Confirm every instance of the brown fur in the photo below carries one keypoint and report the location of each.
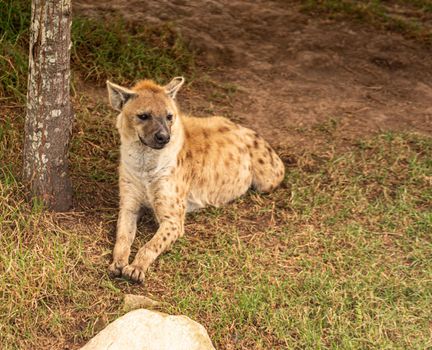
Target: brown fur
(208, 161)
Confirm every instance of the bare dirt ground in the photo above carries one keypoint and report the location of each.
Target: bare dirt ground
(294, 73)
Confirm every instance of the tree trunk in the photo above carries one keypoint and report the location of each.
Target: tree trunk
(49, 117)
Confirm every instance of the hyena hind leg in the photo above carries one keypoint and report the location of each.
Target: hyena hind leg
(268, 170)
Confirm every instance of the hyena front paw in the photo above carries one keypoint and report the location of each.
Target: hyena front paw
(134, 273)
(116, 268)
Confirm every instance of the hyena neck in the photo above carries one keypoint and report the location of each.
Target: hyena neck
(142, 160)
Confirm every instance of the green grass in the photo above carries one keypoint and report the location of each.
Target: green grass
(338, 258)
(378, 13)
(112, 49)
(124, 52)
(14, 20)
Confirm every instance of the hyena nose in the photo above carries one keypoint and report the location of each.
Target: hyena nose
(162, 137)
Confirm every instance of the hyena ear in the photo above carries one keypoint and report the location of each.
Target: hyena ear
(118, 95)
(174, 86)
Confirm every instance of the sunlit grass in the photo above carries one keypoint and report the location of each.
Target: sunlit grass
(338, 257)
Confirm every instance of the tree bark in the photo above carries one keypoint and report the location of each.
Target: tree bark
(49, 117)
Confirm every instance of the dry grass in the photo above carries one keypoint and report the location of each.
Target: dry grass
(338, 257)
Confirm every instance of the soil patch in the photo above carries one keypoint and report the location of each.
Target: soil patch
(297, 78)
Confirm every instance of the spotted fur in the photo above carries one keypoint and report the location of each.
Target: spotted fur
(206, 162)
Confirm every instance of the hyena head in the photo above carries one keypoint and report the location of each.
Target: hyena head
(148, 112)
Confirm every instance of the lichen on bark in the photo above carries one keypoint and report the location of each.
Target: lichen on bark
(49, 116)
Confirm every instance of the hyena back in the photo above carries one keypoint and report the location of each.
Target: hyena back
(173, 163)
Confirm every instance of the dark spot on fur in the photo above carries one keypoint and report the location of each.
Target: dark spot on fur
(256, 145)
(261, 161)
(202, 150)
(227, 163)
(220, 143)
(243, 150)
(164, 238)
(188, 154)
(224, 129)
(205, 134)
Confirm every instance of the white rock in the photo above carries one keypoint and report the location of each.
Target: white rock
(150, 330)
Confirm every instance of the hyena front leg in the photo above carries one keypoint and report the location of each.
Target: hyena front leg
(170, 215)
(126, 230)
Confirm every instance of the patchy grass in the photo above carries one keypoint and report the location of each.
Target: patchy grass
(423, 5)
(339, 257)
(413, 21)
(101, 50)
(46, 268)
(125, 52)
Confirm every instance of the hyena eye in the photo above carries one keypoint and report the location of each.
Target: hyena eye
(144, 116)
(169, 117)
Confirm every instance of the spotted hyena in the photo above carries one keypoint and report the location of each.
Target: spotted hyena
(174, 163)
